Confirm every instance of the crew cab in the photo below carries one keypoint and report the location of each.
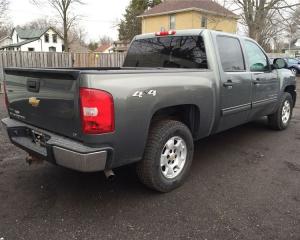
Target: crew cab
(175, 87)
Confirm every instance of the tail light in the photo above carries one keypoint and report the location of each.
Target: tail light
(5, 94)
(97, 111)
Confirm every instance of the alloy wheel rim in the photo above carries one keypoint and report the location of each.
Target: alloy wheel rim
(286, 112)
(173, 157)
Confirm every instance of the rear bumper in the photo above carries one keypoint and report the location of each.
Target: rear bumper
(56, 149)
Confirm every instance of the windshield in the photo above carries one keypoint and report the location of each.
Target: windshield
(167, 52)
(293, 61)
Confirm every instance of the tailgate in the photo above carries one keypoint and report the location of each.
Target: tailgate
(45, 98)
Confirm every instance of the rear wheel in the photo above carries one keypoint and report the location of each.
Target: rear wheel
(168, 156)
(282, 117)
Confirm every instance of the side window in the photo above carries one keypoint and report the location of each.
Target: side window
(231, 54)
(203, 22)
(257, 59)
(46, 37)
(54, 36)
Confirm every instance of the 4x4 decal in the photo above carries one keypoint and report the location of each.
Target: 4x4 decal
(140, 94)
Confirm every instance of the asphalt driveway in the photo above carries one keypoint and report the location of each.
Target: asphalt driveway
(244, 184)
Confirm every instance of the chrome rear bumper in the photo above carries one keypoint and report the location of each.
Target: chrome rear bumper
(87, 162)
(57, 149)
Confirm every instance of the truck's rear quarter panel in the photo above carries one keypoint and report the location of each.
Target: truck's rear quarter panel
(133, 114)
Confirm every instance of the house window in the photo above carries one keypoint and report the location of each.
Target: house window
(31, 49)
(46, 37)
(54, 36)
(52, 49)
(172, 24)
(203, 22)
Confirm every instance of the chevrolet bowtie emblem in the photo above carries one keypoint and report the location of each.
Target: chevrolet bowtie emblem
(33, 101)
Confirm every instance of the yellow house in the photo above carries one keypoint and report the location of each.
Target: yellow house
(188, 14)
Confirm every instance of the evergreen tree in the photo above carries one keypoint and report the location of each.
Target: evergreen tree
(131, 25)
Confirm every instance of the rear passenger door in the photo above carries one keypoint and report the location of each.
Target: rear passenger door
(235, 83)
(265, 83)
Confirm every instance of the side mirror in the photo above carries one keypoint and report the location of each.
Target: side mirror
(279, 63)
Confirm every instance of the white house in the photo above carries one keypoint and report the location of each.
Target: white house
(35, 40)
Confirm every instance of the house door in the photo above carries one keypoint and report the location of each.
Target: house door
(52, 49)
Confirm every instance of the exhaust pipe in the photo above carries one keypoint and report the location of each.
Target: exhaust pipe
(33, 160)
(110, 175)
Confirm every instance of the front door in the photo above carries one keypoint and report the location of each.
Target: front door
(235, 86)
(265, 83)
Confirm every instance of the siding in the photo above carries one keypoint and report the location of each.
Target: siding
(189, 20)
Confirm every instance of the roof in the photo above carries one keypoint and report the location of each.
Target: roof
(172, 6)
(3, 38)
(32, 33)
(292, 48)
(78, 48)
(122, 42)
(20, 43)
(103, 47)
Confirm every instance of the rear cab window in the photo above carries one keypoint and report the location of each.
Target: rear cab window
(167, 52)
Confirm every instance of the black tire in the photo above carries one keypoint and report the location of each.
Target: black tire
(275, 120)
(149, 169)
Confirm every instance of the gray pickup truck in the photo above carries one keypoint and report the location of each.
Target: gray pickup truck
(174, 88)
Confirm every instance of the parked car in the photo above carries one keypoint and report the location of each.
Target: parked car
(293, 64)
(174, 88)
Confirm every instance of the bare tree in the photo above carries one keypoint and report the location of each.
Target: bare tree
(40, 23)
(65, 10)
(105, 40)
(3, 8)
(4, 28)
(263, 18)
(292, 26)
(77, 34)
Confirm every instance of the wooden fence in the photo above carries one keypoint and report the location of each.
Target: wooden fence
(58, 60)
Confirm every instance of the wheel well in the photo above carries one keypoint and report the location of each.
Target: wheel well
(188, 114)
(291, 89)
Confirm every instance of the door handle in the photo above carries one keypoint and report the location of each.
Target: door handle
(259, 80)
(33, 85)
(255, 82)
(229, 83)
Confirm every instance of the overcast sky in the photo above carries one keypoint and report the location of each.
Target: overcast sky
(99, 15)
